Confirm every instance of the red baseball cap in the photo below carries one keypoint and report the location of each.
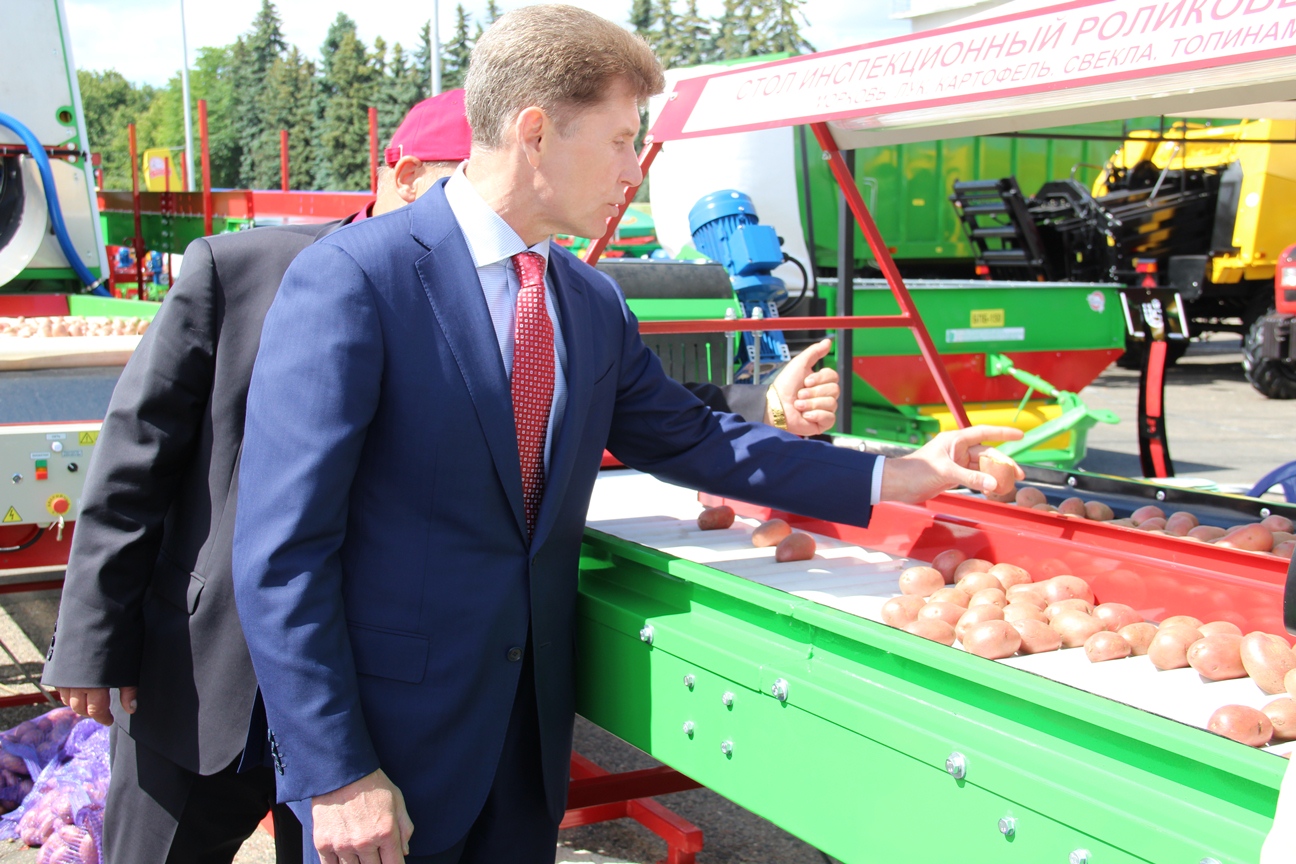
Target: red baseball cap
(434, 130)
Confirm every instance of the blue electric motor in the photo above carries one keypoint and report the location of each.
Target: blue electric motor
(726, 229)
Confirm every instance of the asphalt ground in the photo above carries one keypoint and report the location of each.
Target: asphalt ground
(1220, 430)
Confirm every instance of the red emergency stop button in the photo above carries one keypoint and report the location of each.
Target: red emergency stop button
(58, 505)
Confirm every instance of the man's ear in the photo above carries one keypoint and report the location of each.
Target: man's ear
(405, 174)
(531, 129)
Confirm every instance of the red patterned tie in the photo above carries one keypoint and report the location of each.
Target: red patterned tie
(533, 378)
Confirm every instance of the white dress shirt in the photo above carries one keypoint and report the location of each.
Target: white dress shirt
(492, 243)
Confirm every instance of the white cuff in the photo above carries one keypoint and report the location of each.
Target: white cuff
(876, 494)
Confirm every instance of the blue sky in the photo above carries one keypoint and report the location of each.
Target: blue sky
(141, 38)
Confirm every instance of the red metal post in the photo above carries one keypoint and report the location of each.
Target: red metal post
(168, 212)
(646, 157)
(888, 267)
(373, 150)
(283, 159)
(206, 167)
(137, 242)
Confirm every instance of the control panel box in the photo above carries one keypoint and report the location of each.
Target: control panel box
(42, 471)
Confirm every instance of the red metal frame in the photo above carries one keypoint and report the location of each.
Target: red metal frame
(206, 167)
(373, 150)
(1158, 575)
(137, 241)
(595, 795)
(246, 204)
(283, 160)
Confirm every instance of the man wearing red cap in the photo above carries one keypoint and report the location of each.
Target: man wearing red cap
(148, 604)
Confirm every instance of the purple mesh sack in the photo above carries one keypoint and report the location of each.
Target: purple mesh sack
(35, 742)
(69, 792)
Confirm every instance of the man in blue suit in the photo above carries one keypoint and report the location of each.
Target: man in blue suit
(430, 403)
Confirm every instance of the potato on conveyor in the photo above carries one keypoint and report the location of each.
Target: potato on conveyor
(947, 612)
(947, 562)
(933, 629)
(1180, 523)
(952, 594)
(1023, 612)
(1139, 636)
(1029, 496)
(1282, 714)
(921, 581)
(993, 639)
(975, 616)
(1009, 575)
(1242, 724)
(1098, 511)
(1027, 593)
(1218, 657)
(1073, 507)
(1106, 645)
(977, 580)
(1277, 523)
(1248, 538)
(797, 547)
(1146, 512)
(1067, 587)
(1116, 615)
(1210, 628)
(989, 597)
(716, 518)
(902, 611)
(1266, 660)
(1169, 648)
(771, 533)
(1207, 533)
(969, 566)
(1051, 611)
(1037, 637)
(1075, 627)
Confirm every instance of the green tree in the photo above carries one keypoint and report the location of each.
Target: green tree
(732, 37)
(288, 104)
(642, 17)
(423, 60)
(111, 103)
(780, 28)
(347, 89)
(398, 93)
(213, 79)
(666, 36)
(262, 46)
(695, 36)
(492, 12)
(455, 54)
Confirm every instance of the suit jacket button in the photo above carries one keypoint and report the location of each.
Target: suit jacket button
(514, 655)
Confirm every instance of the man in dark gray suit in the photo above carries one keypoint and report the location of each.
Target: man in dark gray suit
(148, 603)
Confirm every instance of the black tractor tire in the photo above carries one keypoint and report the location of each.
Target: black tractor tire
(1275, 379)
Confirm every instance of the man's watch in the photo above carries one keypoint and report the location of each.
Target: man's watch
(774, 404)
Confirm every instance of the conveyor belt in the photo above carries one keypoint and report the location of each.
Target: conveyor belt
(857, 580)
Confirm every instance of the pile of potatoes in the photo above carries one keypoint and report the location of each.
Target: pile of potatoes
(72, 325)
(788, 545)
(1273, 535)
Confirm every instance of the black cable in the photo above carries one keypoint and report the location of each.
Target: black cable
(40, 532)
(786, 307)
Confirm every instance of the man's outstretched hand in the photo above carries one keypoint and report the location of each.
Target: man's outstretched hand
(364, 822)
(94, 702)
(809, 397)
(946, 461)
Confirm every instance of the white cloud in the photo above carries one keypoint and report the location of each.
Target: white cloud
(141, 38)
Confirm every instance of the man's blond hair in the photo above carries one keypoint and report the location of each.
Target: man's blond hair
(559, 58)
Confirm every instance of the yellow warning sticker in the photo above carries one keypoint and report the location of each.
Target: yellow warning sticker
(987, 318)
(87, 437)
(11, 516)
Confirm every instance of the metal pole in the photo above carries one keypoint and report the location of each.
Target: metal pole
(206, 167)
(373, 150)
(436, 48)
(137, 242)
(188, 117)
(845, 299)
(809, 202)
(283, 159)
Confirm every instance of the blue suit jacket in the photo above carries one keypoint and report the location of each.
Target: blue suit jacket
(381, 560)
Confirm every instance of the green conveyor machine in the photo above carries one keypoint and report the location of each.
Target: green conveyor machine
(778, 684)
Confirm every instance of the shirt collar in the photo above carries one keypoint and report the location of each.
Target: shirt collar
(490, 239)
